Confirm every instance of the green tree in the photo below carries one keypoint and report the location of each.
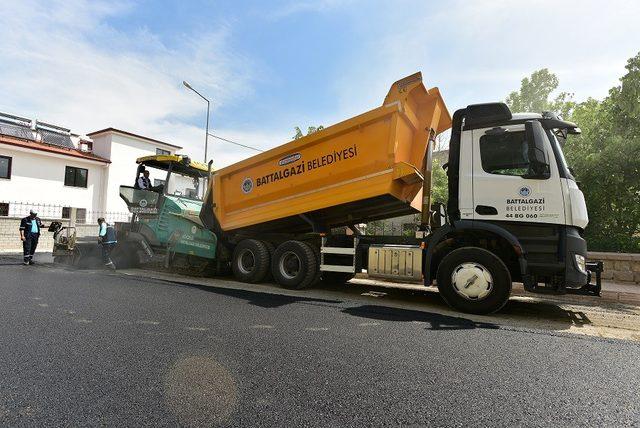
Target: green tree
(605, 157)
(534, 95)
(310, 130)
(606, 160)
(625, 101)
(439, 184)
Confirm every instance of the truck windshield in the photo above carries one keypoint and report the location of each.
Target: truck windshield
(557, 143)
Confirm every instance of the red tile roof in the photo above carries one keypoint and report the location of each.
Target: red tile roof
(18, 142)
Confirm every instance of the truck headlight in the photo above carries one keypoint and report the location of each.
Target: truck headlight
(581, 263)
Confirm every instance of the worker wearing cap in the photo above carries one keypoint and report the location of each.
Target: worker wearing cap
(107, 238)
(30, 228)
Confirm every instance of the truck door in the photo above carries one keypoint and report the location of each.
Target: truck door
(503, 189)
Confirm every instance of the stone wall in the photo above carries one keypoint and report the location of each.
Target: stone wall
(619, 267)
(10, 235)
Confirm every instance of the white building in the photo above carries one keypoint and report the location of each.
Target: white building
(47, 166)
(122, 149)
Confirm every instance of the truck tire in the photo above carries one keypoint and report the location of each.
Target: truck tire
(474, 280)
(250, 262)
(336, 278)
(294, 265)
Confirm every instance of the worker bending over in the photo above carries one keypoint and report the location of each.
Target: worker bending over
(106, 238)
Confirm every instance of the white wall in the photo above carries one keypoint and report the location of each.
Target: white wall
(38, 177)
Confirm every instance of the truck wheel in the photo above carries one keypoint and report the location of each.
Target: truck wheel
(474, 280)
(250, 261)
(294, 265)
(336, 278)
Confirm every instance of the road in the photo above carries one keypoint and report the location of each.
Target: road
(95, 348)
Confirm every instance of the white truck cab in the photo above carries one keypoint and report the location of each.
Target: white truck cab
(514, 206)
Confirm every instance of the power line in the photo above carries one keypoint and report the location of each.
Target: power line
(236, 143)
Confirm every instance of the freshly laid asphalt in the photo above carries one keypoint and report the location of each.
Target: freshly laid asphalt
(95, 348)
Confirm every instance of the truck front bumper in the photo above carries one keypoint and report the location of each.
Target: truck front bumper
(590, 288)
(579, 276)
(579, 273)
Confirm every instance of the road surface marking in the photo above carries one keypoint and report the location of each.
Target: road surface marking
(197, 328)
(262, 326)
(43, 305)
(374, 294)
(68, 312)
(316, 329)
(82, 320)
(146, 322)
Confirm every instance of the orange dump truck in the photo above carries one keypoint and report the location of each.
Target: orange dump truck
(514, 211)
(274, 212)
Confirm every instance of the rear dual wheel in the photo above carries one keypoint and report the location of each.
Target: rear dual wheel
(251, 261)
(294, 265)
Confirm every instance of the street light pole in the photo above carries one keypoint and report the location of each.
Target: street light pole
(206, 136)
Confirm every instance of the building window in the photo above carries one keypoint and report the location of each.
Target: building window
(505, 153)
(81, 214)
(4, 209)
(5, 167)
(75, 177)
(162, 152)
(191, 193)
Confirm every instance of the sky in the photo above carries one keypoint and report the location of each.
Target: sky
(268, 66)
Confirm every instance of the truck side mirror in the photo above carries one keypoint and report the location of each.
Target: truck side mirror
(438, 215)
(538, 162)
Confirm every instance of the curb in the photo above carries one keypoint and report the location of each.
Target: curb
(624, 297)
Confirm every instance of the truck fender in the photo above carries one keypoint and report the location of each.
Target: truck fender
(441, 233)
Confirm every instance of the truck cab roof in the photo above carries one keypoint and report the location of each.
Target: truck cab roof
(498, 114)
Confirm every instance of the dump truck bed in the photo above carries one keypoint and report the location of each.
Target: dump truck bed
(365, 168)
